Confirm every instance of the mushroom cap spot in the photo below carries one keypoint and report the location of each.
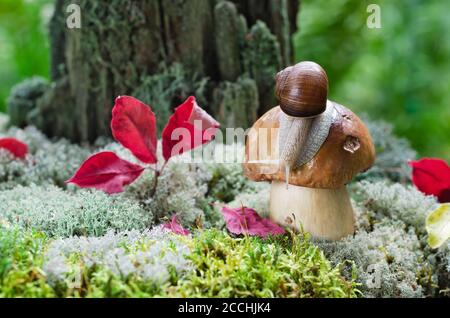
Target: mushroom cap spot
(331, 168)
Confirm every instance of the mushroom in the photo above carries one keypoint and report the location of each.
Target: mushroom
(309, 148)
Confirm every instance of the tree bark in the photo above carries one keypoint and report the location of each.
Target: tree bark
(224, 52)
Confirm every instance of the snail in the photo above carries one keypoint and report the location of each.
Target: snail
(302, 91)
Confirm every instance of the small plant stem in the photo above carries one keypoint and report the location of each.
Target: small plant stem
(155, 182)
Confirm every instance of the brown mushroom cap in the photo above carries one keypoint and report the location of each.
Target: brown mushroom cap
(347, 151)
(302, 89)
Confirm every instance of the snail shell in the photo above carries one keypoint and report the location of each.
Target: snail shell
(302, 90)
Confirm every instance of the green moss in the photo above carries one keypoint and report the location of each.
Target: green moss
(23, 99)
(228, 39)
(251, 267)
(236, 103)
(21, 260)
(262, 59)
(158, 263)
(166, 89)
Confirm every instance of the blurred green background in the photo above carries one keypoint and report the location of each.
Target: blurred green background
(399, 73)
(24, 47)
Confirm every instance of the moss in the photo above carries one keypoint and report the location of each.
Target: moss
(393, 154)
(61, 213)
(387, 260)
(390, 244)
(168, 88)
(158, 263)
(48, 162)
(251, 267)
(23, 98)
(390, 239)
(228, 40)
(236, 103)
(124, 264)
(21, 260)
(262, 59)
(387, 201)
(4, 121)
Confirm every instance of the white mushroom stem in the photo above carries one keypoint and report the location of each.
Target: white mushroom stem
(296, 132)
(324, 213)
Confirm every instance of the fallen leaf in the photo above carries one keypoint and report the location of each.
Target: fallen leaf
(175, 227)
(432, 177)
(17, 148)
(107, 172)
(247, 221)
(438, 226)
(189, 127)
(133, 125)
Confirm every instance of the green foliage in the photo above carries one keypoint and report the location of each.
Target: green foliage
(251, 267)
(62, 214)
(24, 43)
(21, 260)
(398, 73)
(230, 30)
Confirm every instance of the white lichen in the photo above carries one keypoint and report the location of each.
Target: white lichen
(61, 213)
(149, 255)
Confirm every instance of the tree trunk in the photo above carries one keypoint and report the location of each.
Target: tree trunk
(161, 51)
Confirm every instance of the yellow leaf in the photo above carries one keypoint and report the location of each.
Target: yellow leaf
(438, 225)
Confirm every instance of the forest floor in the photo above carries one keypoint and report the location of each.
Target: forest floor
(60, 241)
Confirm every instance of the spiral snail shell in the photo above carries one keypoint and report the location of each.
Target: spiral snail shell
(302, 90)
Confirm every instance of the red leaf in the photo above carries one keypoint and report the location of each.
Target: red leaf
(133, 124)
(432, 177)
(14, 146)
(107, 172)
(189, 127)
(175, 227)
(247, 221)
